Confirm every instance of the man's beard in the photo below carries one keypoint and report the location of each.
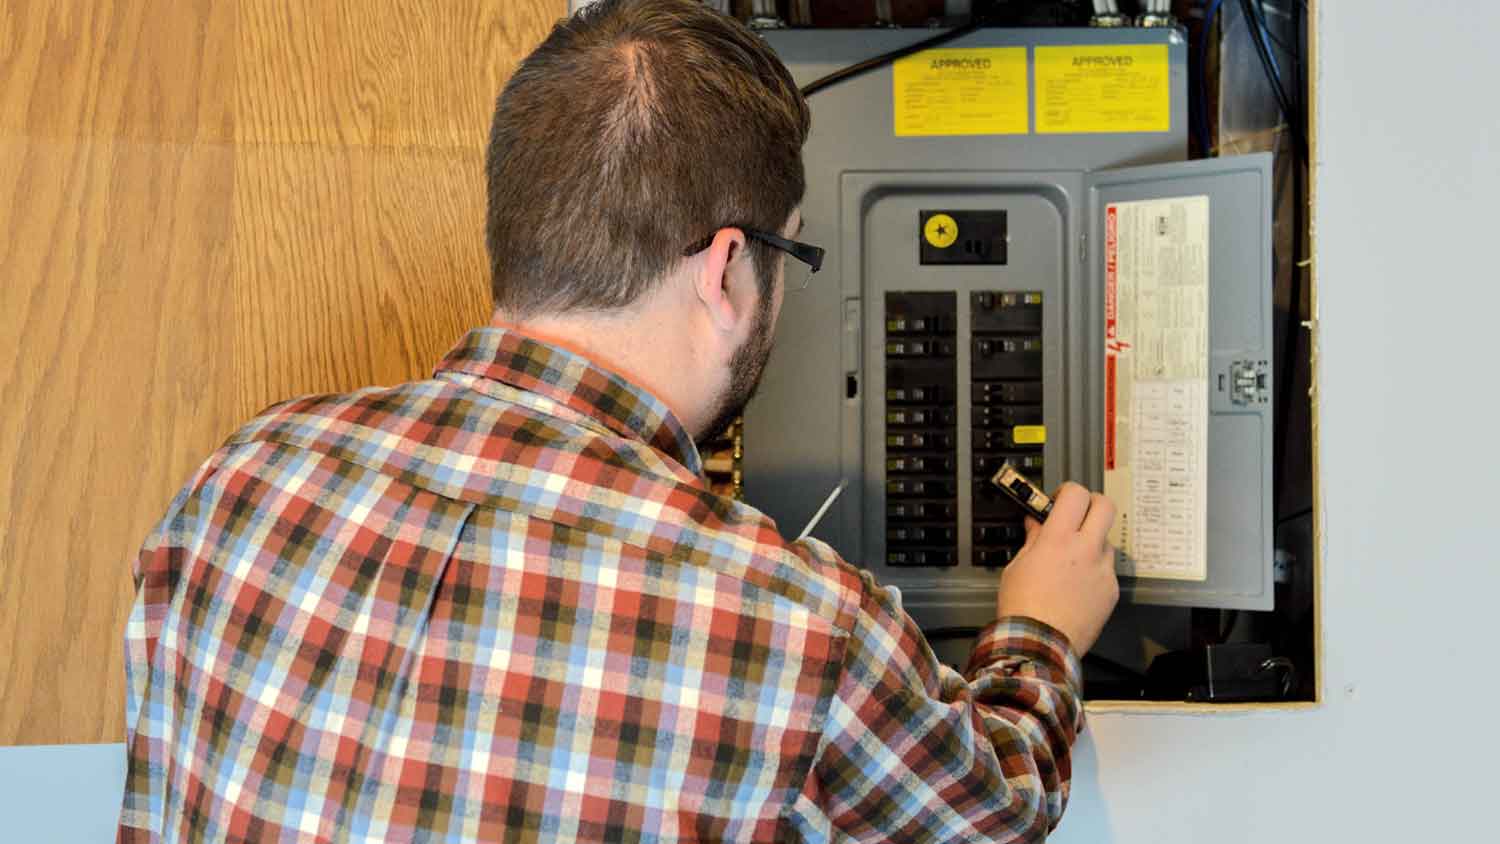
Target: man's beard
(746, 367)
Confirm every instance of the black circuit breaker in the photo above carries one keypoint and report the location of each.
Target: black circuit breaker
(921, 419)
(1006, 420)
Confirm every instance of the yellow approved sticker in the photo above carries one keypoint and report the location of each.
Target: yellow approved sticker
(1029, 434)
(980, 91)
(1103, 88)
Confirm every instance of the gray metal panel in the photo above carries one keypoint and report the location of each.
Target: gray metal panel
(1240, 535)
(880, 211)
(794, 430)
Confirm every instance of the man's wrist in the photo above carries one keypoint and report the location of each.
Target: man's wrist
(1022, 645)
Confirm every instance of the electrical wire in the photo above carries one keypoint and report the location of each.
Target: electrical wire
(1256, 22)
(1293, 14)
(1209, 12)
(861, 68)
(1285, 47)
(1292, 517)
(1292, 340)
(1293, 631)
(1231, 618)
(1288, 669)
(1259, 28)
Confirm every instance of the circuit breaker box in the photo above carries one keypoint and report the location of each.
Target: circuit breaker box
(1078, 301)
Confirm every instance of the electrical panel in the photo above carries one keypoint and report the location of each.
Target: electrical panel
(960, 322)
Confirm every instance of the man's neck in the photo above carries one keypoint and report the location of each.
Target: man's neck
(629, 346)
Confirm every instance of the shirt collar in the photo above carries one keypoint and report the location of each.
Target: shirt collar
(574, 381)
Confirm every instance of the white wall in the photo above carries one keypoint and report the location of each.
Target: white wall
(1405, 746)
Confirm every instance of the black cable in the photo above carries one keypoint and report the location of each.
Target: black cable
(1289, 675)
(1292, 13)
(853, 70)
(1260, 31)
(1292, 517)
(1231, 618)
(1257, 24)
(1285, 48)
(1205, 33)
(1292, 342)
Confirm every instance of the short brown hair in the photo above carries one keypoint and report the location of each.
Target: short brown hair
(635, 129)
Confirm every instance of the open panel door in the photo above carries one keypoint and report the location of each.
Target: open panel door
(1177, 353)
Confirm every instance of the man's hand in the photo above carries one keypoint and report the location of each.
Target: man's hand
(1065, 574)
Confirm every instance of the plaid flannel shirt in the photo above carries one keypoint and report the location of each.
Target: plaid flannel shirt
(502, 605)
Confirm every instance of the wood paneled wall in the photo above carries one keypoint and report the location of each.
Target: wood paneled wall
(207, 206)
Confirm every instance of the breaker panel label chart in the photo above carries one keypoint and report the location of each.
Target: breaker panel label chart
(1156, 385)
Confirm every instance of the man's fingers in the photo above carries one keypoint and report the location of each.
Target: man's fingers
(1101, 516)
(1069, 506)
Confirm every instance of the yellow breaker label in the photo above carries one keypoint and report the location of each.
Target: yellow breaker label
(979, 91)
(1029, 435)
(1103, 88)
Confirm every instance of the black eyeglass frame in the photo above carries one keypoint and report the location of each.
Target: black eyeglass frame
(804, 252)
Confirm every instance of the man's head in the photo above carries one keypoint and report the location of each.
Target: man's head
(637, 129)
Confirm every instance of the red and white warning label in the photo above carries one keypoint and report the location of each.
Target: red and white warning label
(1156, 384)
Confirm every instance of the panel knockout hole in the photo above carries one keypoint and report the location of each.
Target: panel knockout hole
(851, 386)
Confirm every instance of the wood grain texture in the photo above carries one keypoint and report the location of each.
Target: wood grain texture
(112, 314)
(207, 206)
(380, 303)
(129, 69)
(380, 72)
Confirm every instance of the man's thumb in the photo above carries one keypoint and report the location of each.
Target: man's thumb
(1033, 530)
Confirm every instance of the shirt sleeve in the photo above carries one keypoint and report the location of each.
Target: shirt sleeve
(155, 571)
(914, 751)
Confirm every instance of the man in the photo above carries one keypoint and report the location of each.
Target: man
(501, 604)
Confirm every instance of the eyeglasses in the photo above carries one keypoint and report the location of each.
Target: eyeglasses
(808, 254)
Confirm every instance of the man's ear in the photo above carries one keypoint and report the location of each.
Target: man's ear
(725, 260)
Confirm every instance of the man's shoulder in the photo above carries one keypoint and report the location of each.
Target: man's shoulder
(309, 419)
(448, 438)
(515, 455)
(747, 545)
